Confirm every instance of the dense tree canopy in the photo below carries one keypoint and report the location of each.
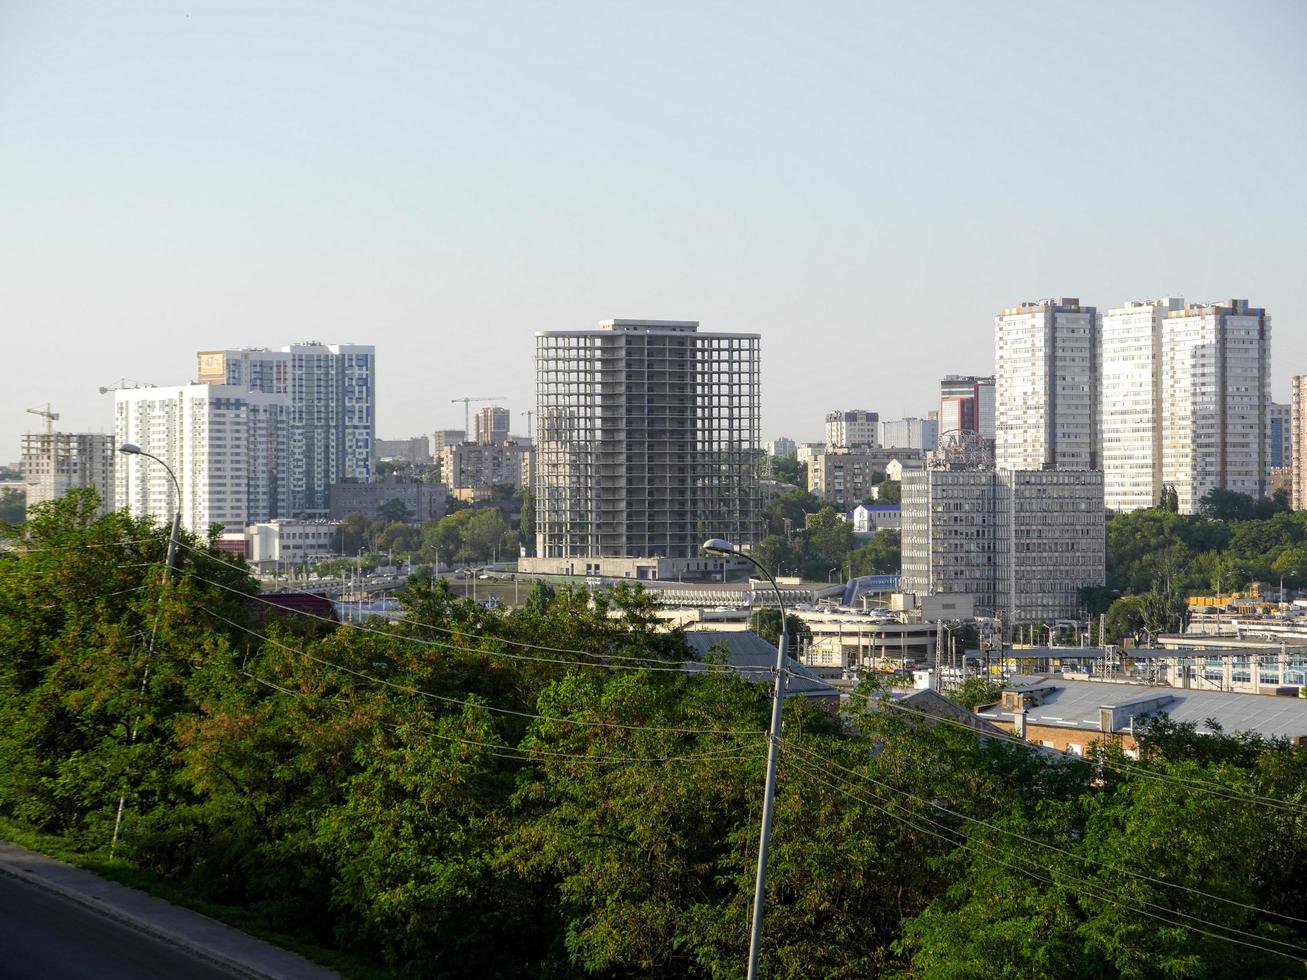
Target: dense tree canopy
(545, 792)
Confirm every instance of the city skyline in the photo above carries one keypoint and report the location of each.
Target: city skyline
(187, 180)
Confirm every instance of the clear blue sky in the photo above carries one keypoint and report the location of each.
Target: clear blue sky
(863, 183)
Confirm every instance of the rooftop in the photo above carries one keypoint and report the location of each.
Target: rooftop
(1079, 704)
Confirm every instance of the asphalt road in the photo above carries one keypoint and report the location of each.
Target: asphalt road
(44, 936)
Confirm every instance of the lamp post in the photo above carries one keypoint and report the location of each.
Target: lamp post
(718, 546)
(131, 449)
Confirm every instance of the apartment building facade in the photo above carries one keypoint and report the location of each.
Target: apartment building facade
(1131, 404)
(229, 447)
(331, 392)
(1215, 400)
(845, 477)
(1046, 386)
(1298, 442)
(854, 428)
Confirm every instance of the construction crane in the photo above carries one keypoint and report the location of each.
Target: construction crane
(467, 412)
(124, 384)
(46, 414)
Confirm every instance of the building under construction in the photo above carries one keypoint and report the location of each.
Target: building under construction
(55, 462)
(647, 444)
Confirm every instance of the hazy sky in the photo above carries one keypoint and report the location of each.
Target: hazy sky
(864, 184)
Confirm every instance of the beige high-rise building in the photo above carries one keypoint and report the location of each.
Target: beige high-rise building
(1298, 438)
(1046, 386)
(491, 424)
(1215, 399)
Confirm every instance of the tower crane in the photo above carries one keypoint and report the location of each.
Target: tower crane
(46, 414)
(467, 412)
(124, 384)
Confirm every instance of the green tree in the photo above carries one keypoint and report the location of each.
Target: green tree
(881, 555)
(526, 527)
(12, 505)
(766, 622)
(395, 511)
(889, 492)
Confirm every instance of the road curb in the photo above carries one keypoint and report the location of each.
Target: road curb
(14, 856)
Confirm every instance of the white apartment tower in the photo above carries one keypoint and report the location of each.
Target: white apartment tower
(55, 462)
(1298, 441)
(229, 447)
(1215, 399)
(1130, 413)
(648, 440)
(852, 429)
(332, 396)
(1046, 398)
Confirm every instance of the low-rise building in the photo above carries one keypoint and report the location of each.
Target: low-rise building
(1072, 715)
(414, 450)
(870, 518)
(291, 542)
(425, 501)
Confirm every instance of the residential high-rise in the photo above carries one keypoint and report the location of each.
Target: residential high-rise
(1279, 442)
(781, 448)
(1046, 379)
(332, 396)
(1022, 542)
(648, 442)
(1131, 403)
(1215, 394)
(966, 404)
(230, 448)
(491, 425)
(1298, 440)
(55, 462)
(852, 429)
(909, 433)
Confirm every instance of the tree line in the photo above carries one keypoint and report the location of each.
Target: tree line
(544, 792)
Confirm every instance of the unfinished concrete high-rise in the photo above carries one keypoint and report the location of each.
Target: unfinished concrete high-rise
(649, 440)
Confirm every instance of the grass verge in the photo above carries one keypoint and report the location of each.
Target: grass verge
(346, 964)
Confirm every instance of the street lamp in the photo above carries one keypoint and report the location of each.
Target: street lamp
(131, 449)
(718, 546)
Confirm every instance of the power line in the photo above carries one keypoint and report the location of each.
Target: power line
(454, 632)
(1200, 785)
(1051, 878)
(531, 754)
(640, 663)
(474, 704)
(1039, 843)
